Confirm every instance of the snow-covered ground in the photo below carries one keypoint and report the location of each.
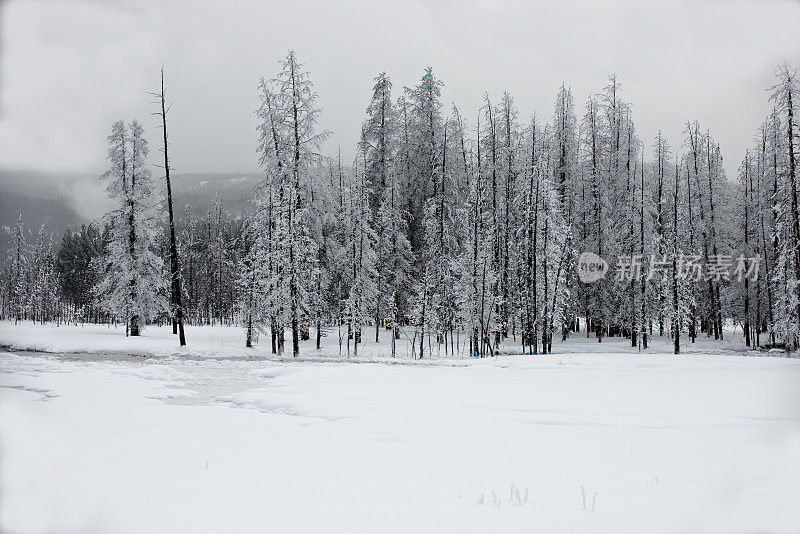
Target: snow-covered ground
(229, 342)
(577, 441)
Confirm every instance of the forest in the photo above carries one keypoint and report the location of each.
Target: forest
(464, 232)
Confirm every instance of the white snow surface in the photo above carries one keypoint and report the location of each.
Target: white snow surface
(229, 342)
(218, 438)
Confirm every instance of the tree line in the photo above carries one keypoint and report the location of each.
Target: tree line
(465, 232)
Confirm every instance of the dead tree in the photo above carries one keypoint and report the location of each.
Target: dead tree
(676, 321)
(175, 285)
(641, 251)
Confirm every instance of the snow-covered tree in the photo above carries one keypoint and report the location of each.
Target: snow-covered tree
(379, 144)
(132, 287)
(284, 250)
(17, 281)
(785, 95)
(395, 256)
(42, 296)
(361, 242)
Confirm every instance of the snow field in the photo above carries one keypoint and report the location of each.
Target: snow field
(650, 443)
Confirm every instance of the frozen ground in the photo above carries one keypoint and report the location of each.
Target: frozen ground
(228, 342)
(593, 442)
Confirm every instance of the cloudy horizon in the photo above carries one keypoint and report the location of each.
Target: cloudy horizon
(69, 69)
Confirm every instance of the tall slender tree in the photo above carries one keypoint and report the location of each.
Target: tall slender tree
(176, 293)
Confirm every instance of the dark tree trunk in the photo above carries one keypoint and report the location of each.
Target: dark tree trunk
(692, 308)
(793, 186)
(641, 274)
(716, 297)
(747, 192)
(173, 246)
(676, 320)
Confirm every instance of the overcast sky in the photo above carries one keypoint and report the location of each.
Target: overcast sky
(68, 69)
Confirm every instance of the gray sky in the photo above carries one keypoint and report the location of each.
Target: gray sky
(68, 69)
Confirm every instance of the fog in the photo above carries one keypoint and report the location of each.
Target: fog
(70, 68)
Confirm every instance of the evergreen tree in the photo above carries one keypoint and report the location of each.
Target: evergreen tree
(132, 286)
(379, 146)
(288, 149)
(785, 96)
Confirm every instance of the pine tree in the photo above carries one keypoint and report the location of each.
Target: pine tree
(476, 256)
(395, 254)
(288, 150)
(785, 96)
(661, 164)
(361, 249)
(75, 271)
(593, 139)
(565, 168)
(132, 286)
(41, 298)
(423, 127)
(17, 281)
(441, 248)
(379, 144)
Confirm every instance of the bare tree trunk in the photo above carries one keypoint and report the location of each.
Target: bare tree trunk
(793, 185)
(748, 186)
(274, 336)
(598, 212)
(631, 232)
(716, 297)
(249, 342)
(534, 262)
(545, 318)
(293, 290)
(641, 274)
(676, 321)
(692, 307)
(134, 319)
(422, 318)
(394, 328)
(175, 285)
(660, 223)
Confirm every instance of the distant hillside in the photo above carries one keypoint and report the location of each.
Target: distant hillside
(61, 201)
(56, 214)
(41, 199)
(199, 190)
